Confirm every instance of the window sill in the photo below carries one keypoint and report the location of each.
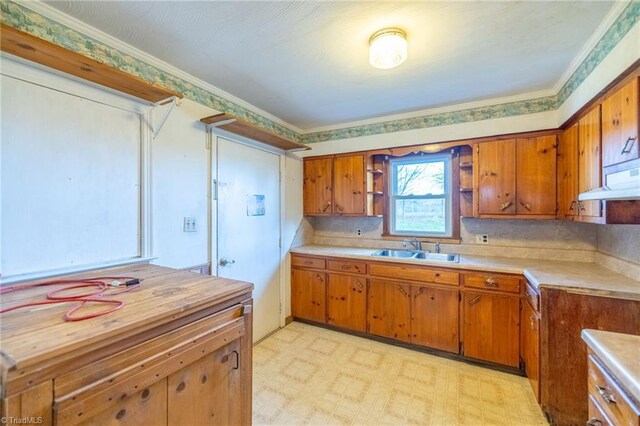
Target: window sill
(423, 239)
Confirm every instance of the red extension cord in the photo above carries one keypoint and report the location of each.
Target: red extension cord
(101, 287)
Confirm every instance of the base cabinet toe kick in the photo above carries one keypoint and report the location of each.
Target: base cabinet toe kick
(499, 320)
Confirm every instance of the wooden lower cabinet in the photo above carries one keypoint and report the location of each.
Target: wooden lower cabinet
(435, 317)
(184, 363)
(308, 293)
(490, 327)
(347, 302)
(389, 309)
(530, 345)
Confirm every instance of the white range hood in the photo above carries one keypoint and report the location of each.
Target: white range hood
(623, 185)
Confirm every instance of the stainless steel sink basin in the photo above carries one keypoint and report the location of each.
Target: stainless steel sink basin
(394, 253)
(442, 257)
(417, 254)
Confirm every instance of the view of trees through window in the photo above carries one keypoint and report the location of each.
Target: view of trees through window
(419, 196)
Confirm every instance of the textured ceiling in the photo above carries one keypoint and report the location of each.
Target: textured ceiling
(307, 62)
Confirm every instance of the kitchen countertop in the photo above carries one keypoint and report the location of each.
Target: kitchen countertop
(619, 353)
(579, 277)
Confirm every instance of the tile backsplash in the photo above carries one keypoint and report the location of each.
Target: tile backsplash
(511, 238)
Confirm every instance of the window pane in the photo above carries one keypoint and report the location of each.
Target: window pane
(420, 215)
(419, 179)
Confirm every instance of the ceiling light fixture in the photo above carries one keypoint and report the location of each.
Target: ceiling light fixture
(388, 48)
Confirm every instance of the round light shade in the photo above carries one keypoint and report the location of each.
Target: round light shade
(388, 48)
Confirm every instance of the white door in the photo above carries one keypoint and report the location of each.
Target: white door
(249, 226)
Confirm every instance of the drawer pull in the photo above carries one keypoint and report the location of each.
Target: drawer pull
(419, 292)
(490, 282)
(606, 396)
(359, 284)
(346, 267)
(474, 300)
(506, 205)
(404, 293)
(594, 422)
(308, 262)
(624, 148)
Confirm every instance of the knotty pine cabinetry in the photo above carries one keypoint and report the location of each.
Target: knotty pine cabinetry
(579, 169)
(414, 304)
(517, 177)
(490, 312)
(530, 338)
(334, 185)
(178, 352)
(620, 125)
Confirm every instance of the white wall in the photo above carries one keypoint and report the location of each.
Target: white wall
(180, 173)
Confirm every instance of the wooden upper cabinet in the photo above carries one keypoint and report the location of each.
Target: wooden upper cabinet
(497, 177)
(620, 125)
(335, 185)
(567, 175)
(349, 185)
(536, 175)
(317, 186)
(589, 158)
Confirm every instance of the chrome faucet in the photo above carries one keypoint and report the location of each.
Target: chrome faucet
(437, 247)
(415, 243)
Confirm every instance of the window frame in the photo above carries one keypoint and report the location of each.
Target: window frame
(448, 196)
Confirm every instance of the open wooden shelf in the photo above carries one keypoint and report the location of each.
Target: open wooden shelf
(243, 128)
(37, 50)
(375, 171)
(466, 165)
(464, 190)
(375, 192)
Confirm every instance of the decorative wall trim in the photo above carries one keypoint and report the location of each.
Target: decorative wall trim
(25, 19)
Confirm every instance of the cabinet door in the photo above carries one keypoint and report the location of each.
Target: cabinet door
(497, 177)
(389, 309)
(349, 183)
(208, 391)
(536, 175)
(589, 158)
(491, 327)
(317, 186)
(568, 173)
(308, 295)
(530, 345)
(620, 125)
(434, 317)
(347, 302)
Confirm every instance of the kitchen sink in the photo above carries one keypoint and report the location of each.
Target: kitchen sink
(442, 257)
(394, 253)
(417, 254)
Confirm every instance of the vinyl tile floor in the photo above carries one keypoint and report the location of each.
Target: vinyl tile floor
(309, 375)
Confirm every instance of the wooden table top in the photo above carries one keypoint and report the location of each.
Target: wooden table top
(38, 334)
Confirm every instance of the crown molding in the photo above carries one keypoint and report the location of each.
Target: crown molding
(611, 17)
(54, 14)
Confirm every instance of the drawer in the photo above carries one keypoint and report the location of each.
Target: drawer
(87, 390)
(597, 416)
(308, 262)
(414, 273)
(507, 283)
(532, 296)
(347, 266)
(608, 395)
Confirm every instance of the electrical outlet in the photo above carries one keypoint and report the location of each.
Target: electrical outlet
(359, 232)
(482, 238)
(189, 224)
